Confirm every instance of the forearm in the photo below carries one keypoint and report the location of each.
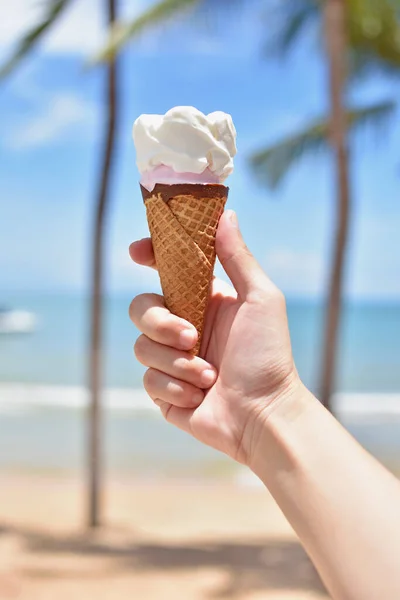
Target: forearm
(342, 503)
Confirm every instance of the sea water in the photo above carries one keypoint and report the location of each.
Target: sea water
(43, 394)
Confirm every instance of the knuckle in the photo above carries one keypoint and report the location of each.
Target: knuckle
(161, 328)
(133, 308)
(185, 367)
(149, 379)
(178, 390)
(141, 305)
(183, 394)
(140, 348)
(195, 373)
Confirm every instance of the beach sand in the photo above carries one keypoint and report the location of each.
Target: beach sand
(160, 542)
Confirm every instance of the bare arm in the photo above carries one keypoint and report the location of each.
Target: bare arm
(344, 506)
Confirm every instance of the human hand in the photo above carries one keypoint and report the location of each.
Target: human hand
(247, 365)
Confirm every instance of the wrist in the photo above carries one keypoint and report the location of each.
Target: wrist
(276, 423)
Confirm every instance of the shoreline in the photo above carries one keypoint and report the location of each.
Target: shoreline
(16, 395)
(43, 432)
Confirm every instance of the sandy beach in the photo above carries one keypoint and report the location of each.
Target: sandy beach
(177, 541)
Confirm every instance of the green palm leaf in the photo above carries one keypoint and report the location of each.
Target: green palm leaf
(374, 34)
(155, 15)
(373, 31)
(32, 37)
(272, 164)
(159, 14)
(293, 17)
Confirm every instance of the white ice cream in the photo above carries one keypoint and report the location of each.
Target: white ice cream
(187, 142)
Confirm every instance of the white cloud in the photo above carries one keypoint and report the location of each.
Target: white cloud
(63, 113)
(296, 273)
(81, 29)
(16, 17)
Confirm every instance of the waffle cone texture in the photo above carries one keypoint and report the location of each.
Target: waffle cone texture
(183, 220)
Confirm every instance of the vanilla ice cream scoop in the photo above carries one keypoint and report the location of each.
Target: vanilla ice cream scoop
(184, 146)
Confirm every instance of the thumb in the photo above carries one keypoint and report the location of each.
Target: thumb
(238, 262)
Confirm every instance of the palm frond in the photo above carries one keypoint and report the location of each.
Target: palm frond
(155, 15)
(209, 15)
(293, 18)
(32, 37)
(272, 164)
(373, 32)
(374, 35)
(373, 117)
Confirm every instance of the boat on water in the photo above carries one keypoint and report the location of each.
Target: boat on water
(16, 321)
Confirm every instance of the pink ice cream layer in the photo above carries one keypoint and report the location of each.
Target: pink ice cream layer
(167, 175)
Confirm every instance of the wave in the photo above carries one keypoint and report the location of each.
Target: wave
(18, 398)
(367, 405)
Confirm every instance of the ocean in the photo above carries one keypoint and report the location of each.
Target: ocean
(43, 396)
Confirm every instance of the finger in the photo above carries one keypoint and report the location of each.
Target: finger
(150, 315)
(171, 390)
(181, 365)
(141, 252)
(239, 264)
(179, 417)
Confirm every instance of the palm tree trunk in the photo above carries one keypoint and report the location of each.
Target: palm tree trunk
(96, 337)
(336, 45)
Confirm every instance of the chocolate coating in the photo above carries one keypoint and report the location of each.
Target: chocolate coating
(199, 190)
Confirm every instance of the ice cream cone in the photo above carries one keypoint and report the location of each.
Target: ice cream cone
(183, 220)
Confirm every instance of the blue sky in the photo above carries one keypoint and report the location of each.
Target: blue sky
(51, 128)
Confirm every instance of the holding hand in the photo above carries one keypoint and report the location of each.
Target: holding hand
(247, 367)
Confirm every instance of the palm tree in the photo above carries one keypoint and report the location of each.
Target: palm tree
(369, 30)
(336, 49)
(332, 131)
(96, 339)
(119, 34)
(359, 36)
(54, 10)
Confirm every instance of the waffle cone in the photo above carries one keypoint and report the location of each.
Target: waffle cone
(183, 220)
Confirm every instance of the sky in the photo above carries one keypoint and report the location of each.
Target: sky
(51, 128)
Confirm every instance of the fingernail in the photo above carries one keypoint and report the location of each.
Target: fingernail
(233, 218)
(197, 398)
(187, 338)
(158, 402)
(208, 377)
